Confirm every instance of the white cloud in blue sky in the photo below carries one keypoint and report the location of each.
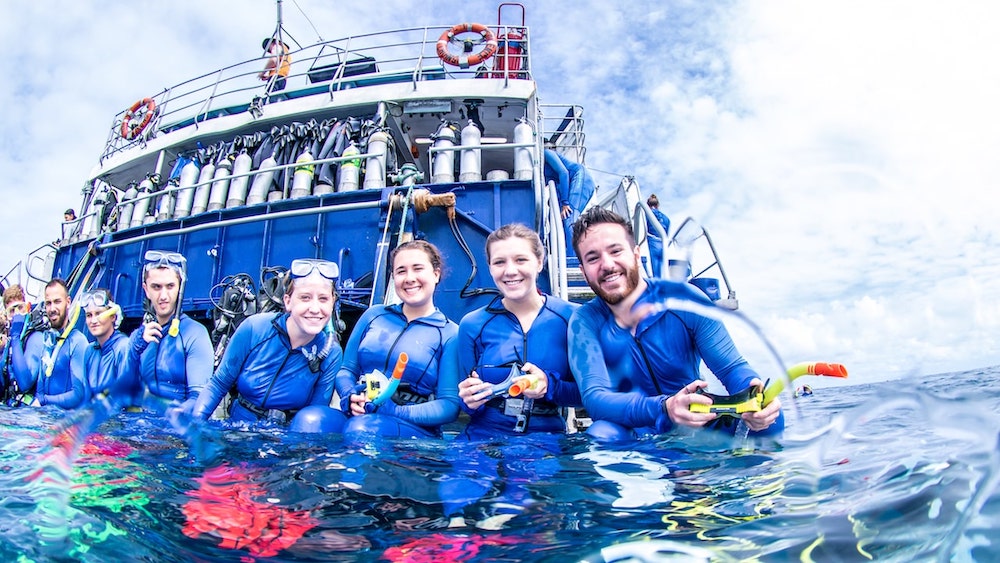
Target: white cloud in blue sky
(843, 155)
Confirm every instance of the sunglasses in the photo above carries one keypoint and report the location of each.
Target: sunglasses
(163, 259)
(304, 266)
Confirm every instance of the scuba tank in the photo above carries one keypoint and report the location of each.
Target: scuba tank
(350, 170)
(125, 210)
(166, 207)
(443, 167)
(378, 144)
(204, 188)
(238, 186)
(262, 181)
(471, 163)
(141, 206)
(185, 193)
(303, 177)
(523, 167)
(220, 187)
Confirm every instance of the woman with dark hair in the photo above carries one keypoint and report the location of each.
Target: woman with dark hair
(424, 398)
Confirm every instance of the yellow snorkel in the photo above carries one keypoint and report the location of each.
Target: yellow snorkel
(752, 399)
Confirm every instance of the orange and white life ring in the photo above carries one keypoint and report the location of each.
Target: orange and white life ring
(465, 60)
(132, 127)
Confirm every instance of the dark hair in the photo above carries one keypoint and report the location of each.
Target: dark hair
(517, 230)
(597, 216)
(432, 252)
(58, 281)
(653, 201)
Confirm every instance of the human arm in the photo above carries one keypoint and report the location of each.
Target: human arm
(444, 408)
(226, 375)
(323, 389)
(352, 400)
(78, 390)
(199, 358)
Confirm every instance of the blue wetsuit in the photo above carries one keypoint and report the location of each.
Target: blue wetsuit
(268, 374)
(656, 243)
(175, 368)
(104, 364)
(490, 340)
(65, 384)
(625, 380)
(427, 397)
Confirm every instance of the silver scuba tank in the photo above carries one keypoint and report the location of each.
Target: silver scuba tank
(204, 189)
(470, 166)
(523, 163)
(185, 193)
(238, 186)
(349, 170)
(303, 177)
(141, 207)
(166, 207)
(262, 182)
(125, 207)
(443, 167)
(378, 144)
(220, 187)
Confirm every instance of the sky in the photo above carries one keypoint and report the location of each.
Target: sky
(842, 154)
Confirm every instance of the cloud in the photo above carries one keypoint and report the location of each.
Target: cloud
(841, 154)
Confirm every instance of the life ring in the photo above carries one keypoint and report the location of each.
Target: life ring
(464, 60)
(130, 129)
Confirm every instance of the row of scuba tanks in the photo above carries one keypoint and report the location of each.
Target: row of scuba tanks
(219, 176)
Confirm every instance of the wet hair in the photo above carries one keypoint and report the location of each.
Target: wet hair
(598, 216)
(653, 201)
(517, 230)
(12, 294)
(432, 252)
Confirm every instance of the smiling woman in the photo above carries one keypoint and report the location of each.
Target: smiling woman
(282, 365)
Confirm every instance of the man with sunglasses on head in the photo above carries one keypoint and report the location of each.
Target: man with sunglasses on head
(51, 361)
(170, 355)
(106, 355)
(283, 365)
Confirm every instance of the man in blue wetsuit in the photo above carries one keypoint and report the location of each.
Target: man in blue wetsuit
(639, 373)
(170, 355)
(655, 242)
(106, 355)
(283, 365)
(52, 361)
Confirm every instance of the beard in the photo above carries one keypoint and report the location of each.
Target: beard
(631, 276)
(59, 321)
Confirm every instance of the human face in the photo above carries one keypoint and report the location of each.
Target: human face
(514, 268)
(100, 327)
(309, 306)
(609, 262)
(415, 278)
(56, 306)
(162, 286)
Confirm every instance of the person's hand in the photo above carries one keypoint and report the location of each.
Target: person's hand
(765, 417)
(152, 332)
(538, 390)
(566, 211)
(678, 408)
(474, 392)
(358, 402)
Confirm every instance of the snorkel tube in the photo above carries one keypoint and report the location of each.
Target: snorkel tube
(752, 400)
(800, 369)
(390, 389)
(175, 324)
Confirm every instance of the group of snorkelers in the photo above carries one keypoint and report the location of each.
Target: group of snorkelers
(514, 366)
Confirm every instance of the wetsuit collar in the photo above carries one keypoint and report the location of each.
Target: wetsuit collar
(436, 319)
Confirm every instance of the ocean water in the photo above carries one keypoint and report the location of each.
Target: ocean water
(893, 471)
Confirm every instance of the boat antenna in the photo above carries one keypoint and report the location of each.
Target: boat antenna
(301, 11)
(280, 33)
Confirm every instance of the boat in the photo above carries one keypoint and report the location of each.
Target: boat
(433, 132)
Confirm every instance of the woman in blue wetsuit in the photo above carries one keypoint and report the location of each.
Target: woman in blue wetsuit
(426, 398)
(521, 328)
(283, 365)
